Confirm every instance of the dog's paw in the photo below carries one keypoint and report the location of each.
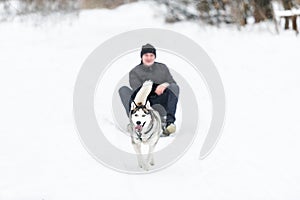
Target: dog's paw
(141, 165)
(152, 162)
(146, 168)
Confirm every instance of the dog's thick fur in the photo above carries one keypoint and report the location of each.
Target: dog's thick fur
(145, 125)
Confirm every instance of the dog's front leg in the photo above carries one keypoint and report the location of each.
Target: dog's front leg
(150, 158)
(137, 148)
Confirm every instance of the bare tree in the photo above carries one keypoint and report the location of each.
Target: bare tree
(262, 10)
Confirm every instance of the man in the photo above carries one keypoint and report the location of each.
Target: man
(165, 92)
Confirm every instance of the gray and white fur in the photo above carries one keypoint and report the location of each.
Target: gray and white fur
(145, 126)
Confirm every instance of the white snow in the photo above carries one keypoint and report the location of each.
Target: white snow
(41, 156)
(284, 13)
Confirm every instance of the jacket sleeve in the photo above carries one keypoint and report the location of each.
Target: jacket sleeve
(169, 77)
(134, 80)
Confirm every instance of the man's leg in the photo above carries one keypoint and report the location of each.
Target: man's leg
(125, 95)
(172, 93)
(169, 101)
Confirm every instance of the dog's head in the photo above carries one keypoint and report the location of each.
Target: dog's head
(140, 115)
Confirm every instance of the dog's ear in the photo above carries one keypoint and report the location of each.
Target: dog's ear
(148, 106)
(132, 107)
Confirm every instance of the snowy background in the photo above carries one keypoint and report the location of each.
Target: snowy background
(41, 156)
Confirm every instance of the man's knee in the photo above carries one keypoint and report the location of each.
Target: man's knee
(124, 91)
(173, 87)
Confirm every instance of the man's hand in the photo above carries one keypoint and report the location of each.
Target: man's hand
(160, 89)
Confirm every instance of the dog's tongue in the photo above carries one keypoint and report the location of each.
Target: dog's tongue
(138, 127)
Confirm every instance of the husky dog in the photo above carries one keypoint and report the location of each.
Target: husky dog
(145, 125)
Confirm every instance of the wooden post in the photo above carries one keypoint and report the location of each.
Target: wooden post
(294, 23)
(286, 23)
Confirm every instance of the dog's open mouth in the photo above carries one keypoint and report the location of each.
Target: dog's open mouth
(138, 128)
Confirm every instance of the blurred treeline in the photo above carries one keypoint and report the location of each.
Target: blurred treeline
(214, 12)
(240, 12)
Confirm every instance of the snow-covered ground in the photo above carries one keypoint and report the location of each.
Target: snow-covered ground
(41, 156)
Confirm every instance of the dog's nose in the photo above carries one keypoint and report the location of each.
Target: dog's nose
(138, 122)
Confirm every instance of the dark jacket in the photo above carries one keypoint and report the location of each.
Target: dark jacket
(158, 73)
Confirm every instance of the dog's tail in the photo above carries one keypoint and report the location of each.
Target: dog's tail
(141, 96)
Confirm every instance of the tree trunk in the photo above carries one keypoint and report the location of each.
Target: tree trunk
(262, 10)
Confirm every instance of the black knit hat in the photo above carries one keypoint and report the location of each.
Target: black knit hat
(148, 48)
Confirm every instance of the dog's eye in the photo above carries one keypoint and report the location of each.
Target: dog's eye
(143, 115)
(136, 115)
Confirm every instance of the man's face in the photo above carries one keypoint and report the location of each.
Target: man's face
(148, 58)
